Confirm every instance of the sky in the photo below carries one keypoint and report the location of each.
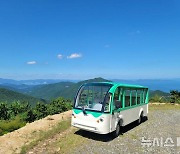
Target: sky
(67, 39)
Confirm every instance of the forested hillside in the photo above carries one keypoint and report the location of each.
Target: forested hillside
(69, 89)
(50, 91)
(62, 89)
(10, 96)
(159, 93)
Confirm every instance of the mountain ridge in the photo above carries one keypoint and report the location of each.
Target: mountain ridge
(67, 89)
(10, 96)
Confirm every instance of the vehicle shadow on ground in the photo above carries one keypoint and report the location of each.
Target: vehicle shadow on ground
(106, 137)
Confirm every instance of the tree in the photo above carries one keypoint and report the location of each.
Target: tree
(30, 116)
(4, 111)
(175, 96)
(18, 107)
(40, 110)
(59, 105)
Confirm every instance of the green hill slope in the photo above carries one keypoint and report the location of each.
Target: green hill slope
(72, 90)
(159, 93)
(50, 91)
(10, 96)
(64, 89)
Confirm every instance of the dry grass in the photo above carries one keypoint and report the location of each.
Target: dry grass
(69, 142)
(166, 106)
(44, 135)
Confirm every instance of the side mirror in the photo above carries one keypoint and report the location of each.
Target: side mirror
(117, 104)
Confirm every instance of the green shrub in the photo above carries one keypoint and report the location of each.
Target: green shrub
(59, 105)
(175, 96)
(11, 125)
(15, 115)
(4, 111)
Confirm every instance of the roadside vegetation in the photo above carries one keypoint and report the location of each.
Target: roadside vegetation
(59, 128)
(173, 97)
(166, 106)
(15, 115)
(60, 139)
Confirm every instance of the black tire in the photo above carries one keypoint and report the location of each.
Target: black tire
(140, 119)
(145, 118)
(117, 131)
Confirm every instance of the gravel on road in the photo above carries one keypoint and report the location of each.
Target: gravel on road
(156, 135)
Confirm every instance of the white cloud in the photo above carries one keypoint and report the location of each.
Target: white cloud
(74, 55)
(59, 56)
(31, 62)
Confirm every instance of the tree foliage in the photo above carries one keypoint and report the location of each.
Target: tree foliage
(160, 99)
(18, 113)
(4, 109)
(175, 96)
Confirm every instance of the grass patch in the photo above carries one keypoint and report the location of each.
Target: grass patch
(11, 125)
(43, 135)
(69, 142)
(164, 107)
(133, 136)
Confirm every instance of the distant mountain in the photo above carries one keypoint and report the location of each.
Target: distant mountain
(10, 96)
(22, 88)
(155, 84)
(69, 89)
(64, 89)
(72, 90)
(27, 85)
(49, 91)
(159, 93)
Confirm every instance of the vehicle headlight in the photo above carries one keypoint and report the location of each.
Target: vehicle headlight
(101, 119)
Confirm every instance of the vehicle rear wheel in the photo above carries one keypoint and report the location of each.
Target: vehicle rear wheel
(140, 119)
(117, 131)
(146, 118)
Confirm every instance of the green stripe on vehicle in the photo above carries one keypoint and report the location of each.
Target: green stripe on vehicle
(94, 114)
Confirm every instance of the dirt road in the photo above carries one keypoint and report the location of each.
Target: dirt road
(156, 135)
(160, 134)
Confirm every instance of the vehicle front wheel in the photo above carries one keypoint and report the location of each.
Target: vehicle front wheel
(117, 131)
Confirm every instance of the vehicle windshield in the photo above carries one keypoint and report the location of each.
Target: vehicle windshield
(94, 97)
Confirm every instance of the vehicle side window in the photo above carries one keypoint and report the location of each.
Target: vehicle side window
(138, 96)
(117, 98)
(133, 97)
(127, 98)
